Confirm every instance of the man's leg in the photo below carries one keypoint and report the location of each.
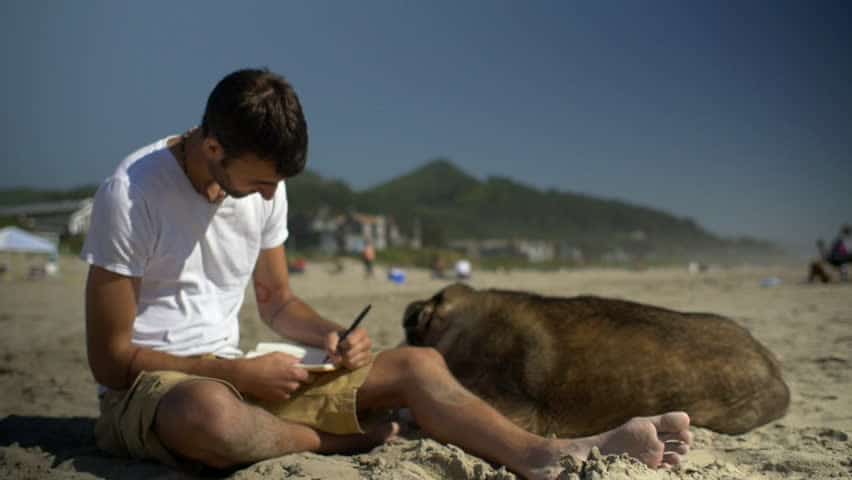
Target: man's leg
(418, 378)
(204, 421)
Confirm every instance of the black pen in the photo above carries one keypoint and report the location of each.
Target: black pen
(351, 327)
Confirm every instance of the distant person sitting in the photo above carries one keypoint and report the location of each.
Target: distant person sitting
(51, 268)
(297, 266)
(37, 272)
(438, 267)
(840, 253)
(463, 269)
(833, 261)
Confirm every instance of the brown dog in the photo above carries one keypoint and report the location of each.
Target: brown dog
(583, 365)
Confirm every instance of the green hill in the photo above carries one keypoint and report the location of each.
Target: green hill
(449, 204)
(441, 195)
(438, 183)
(308, 192)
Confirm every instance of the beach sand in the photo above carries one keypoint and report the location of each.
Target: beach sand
(48, 399)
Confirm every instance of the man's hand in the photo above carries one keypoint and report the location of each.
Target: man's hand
(289, 316)
(353, 352)
(273, 376)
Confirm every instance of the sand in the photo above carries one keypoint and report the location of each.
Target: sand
(48, 403)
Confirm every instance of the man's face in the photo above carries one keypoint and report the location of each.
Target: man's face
(246, 174)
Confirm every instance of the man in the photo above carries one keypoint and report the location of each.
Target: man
(840, 254)
(177, 233)
(368, 255)
(834, 259)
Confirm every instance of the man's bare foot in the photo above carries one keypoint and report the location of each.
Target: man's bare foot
(382, 433)
(655, 441)
(372, 437)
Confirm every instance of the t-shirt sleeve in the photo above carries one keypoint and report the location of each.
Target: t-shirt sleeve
(120, 237)
(275, 228)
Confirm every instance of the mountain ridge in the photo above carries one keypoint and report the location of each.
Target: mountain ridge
(447, 203)
(452, 205)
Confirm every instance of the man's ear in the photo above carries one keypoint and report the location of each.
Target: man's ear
(213, 149)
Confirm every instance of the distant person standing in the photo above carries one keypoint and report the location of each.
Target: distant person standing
(369, 256)
(437, 267)
(337, 261)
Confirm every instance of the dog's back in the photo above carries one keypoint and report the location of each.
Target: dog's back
(582, 365)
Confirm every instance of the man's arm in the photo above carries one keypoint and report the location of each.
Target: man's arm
(289, 316)
(111, 301)
(110, 312)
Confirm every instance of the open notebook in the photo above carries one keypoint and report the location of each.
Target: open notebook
(312, 358)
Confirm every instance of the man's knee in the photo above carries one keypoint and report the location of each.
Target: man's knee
(419, 363)
(195, 414)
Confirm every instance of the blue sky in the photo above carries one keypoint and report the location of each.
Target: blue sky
(736, 114)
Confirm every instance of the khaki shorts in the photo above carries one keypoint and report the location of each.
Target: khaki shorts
(126, 425)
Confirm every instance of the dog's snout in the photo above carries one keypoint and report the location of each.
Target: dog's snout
(412, 314)
(411, 322)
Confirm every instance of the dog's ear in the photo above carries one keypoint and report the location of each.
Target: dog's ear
(457, 290)
(450, 298)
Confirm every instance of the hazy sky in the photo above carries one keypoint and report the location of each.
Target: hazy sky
(736, 114)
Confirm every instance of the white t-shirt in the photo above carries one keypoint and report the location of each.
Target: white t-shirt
(195, 258)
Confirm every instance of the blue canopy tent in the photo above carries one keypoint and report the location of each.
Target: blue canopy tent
(13, 239)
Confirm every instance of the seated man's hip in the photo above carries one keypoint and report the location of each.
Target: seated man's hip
(126, 425)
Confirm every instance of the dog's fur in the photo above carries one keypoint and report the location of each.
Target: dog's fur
(583, 365)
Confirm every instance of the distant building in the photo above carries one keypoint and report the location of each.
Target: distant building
(326, 229)
(537, 250)
(616, 255)
(350, 232)
(570, 252)
(59, 218)
(531, 250)
(638, 236)
(497, 247)
(416, 240)
(360, 228)
(467, 247)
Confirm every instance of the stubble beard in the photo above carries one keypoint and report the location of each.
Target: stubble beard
(221, 176)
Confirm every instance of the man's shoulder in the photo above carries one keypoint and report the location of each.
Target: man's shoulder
(145, 168)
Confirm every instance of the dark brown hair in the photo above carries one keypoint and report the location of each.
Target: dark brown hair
(256, 111)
